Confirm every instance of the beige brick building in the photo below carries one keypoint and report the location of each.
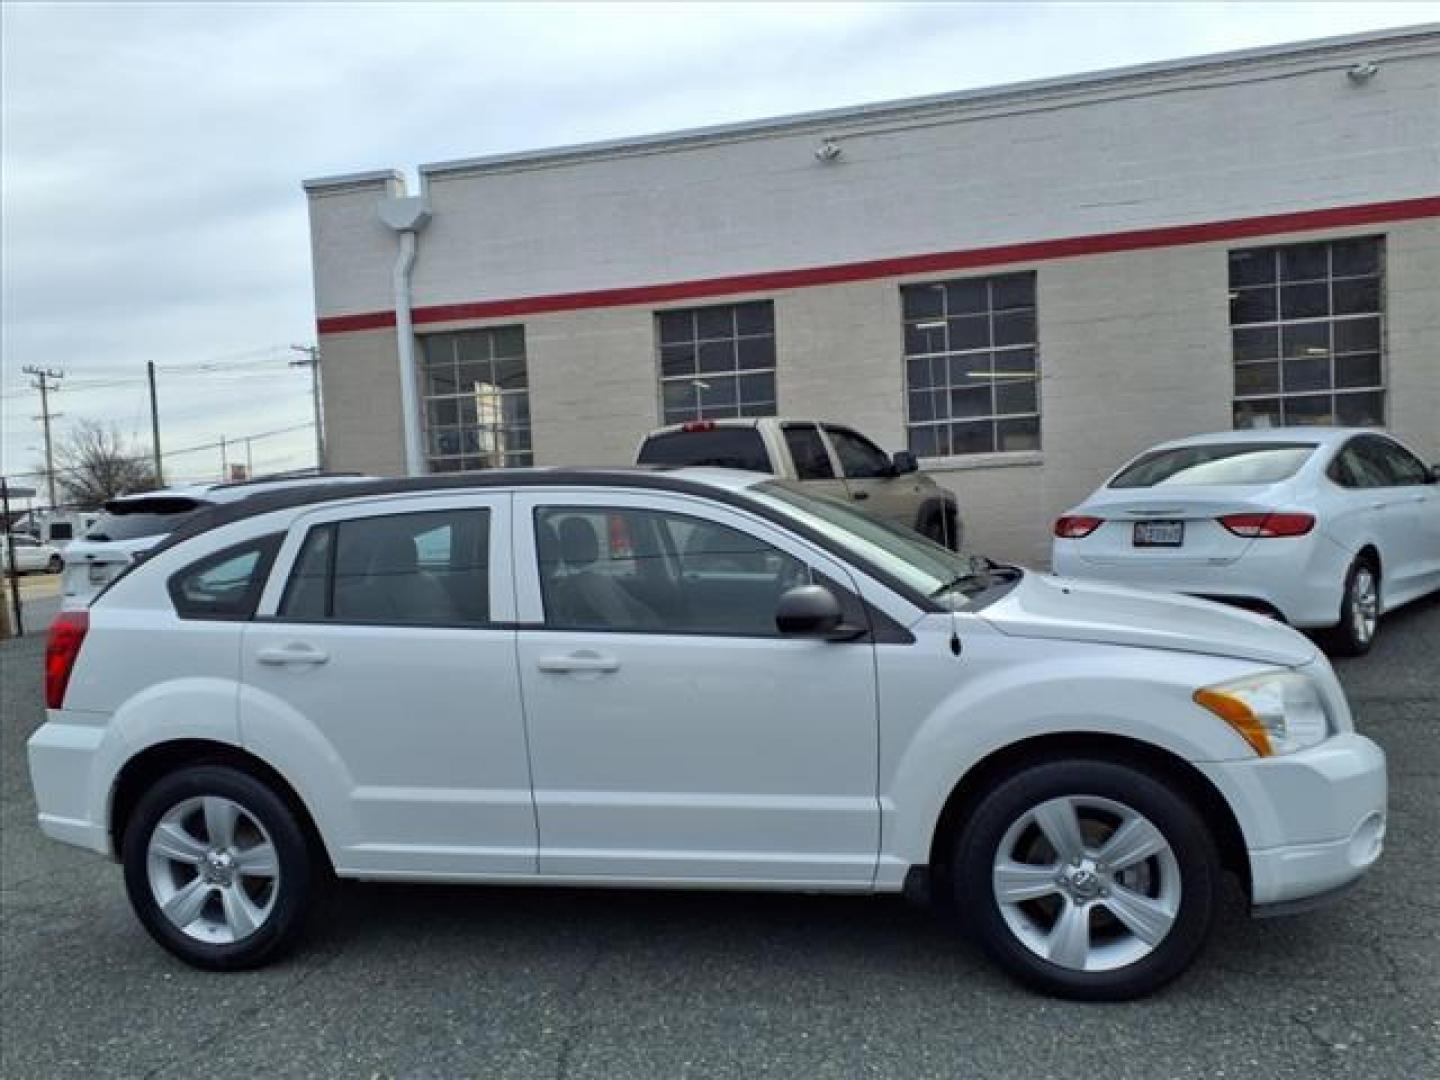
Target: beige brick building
(1025, 285)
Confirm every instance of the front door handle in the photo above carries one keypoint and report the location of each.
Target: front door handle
(578, 661)
(292, 654)
(860, 496)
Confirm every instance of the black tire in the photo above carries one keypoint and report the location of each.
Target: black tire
(294, 887)
(941, 527)
(1347, 637)
(1181, 826)
(55, 565)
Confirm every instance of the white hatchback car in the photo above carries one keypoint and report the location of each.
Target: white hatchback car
(1322, 527)
(698, 678)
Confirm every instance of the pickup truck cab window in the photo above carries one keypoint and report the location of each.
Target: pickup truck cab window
(807, 450)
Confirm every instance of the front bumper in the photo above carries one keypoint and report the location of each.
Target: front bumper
(1313, 821)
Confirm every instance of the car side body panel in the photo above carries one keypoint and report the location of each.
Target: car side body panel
(941, 720)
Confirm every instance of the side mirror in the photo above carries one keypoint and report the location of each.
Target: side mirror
(904, 462)
(1435, 474)
(808, 611)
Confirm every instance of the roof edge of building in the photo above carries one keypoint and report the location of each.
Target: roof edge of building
(1076, 85)
(327, 185)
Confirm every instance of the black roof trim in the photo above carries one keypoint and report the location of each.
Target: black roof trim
(651, 479)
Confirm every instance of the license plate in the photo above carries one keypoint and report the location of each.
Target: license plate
(1159, 533)
(99, 573)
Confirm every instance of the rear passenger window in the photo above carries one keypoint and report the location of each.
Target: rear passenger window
(425, 569)
(226, 585)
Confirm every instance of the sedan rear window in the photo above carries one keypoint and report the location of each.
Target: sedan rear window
(130, 519)
(1215, 463)
(720, 447)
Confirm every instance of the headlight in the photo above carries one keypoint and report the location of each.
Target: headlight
(1276, 713)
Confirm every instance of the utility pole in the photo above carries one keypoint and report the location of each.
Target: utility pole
(224, 462)
(312, 361)
(249, 461)
(45, 380)
(155, 425)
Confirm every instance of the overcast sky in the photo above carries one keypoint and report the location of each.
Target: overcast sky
(152, 155)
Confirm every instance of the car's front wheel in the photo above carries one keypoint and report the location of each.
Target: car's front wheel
(217, 868)
(943, 528)
(1087, 879)
(54, 565)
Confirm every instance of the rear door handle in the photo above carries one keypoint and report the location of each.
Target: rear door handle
(860, 496)
(578, 661)
(292, 654)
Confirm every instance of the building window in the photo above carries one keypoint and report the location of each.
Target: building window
(971, 377)
(1306, 325)
(717, 362)
(477, 405)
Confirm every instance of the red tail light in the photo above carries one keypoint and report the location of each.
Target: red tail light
(67, 633)
(1253, 525)
(698, 425)
(1074, 526)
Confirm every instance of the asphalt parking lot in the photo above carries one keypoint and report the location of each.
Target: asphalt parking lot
(444, 982)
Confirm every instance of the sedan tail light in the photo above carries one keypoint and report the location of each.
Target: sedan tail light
(1268, 524)
(62, 646)
(1074, 526)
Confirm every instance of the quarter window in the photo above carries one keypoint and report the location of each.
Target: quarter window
(971, 373)
(427, 569)
(226, 585)
(477, 400)
(717, 362)
(1307, 333)
(645, 571)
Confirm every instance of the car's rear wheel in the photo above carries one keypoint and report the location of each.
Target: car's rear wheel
(55, 565)
(1359, 611)
(217, 868)
(1087, 879)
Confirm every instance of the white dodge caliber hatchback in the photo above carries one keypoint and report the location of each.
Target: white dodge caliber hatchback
(1327, 528)
(696, 678)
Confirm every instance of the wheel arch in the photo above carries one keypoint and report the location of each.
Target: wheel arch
(985, 774)
(161, 759)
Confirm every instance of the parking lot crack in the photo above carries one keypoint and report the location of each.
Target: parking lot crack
(582, 1024)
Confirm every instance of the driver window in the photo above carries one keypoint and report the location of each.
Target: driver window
(645, 571)
(859, 457)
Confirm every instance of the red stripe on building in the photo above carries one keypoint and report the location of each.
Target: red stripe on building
(937, 262)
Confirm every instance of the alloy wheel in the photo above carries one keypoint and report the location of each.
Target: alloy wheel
(1086, 883)
(213, 869)
(1364, 604)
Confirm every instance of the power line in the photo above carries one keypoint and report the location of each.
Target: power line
(183, 450)
(45, 380)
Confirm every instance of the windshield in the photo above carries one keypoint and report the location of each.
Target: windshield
(937, 572)
(130, 519)
(1219, 463)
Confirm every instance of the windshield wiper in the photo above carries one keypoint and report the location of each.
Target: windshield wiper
(992, 574)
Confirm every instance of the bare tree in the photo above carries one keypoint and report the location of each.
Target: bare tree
(94, 462)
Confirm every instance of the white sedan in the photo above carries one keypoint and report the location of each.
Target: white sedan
(1322, 527)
